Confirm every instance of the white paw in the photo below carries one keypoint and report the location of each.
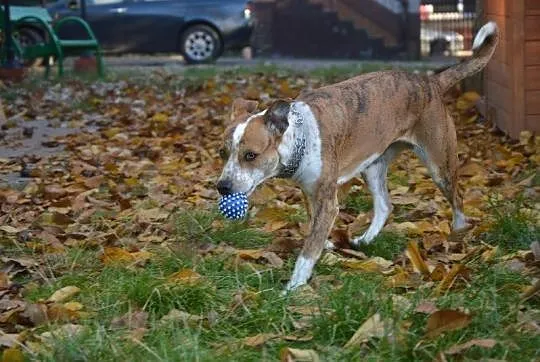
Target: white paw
(361, 240)
(328, 245)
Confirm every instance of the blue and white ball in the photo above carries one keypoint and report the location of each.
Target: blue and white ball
(234, 206)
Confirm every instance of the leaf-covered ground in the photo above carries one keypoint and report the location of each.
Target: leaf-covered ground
(111, 248)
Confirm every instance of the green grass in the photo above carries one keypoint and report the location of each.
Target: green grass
(198, 227)
(386, 245)
(358, 202)
(109, 292)
(513, 228)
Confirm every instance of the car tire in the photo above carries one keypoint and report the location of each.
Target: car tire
(26, 36)
(200, 44)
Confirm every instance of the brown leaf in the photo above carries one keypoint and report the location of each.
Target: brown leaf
(259, 339)
(12, 354)
(288, 354)
(64, 294)
(419, 264)
(448, 281)
(176, 315)
(375, 264)
(269, 257)
(36, 313)
(446, 320)
(114, 255)
(185, 277)
(426, 307)
(532, 290)
(372, 327)
(459, 348)
(9, 339)
(535, 247)
(4, 281)
(130, 320)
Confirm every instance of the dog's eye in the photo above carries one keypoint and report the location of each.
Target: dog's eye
(223, 154)
(250, 156)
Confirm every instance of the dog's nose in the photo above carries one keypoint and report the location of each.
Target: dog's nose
(224, 187)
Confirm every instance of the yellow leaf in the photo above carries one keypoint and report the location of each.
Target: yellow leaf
(12, 355)
(259, 339)
(63, 294)
(288, 354)
(114, 255)
(419, 264)
(186, 277)
(449, 279)
(73, 306)
(459, 348)
(160, 118)
(372, 327)
(446, 320)
(375, 264)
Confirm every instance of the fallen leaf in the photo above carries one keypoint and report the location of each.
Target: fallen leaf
(419, 264)
(446, 320)
(270, 257)
(176, 315)
(9, 339)
(459, 348)
(371, 328)
(185, 277)
(12, 354)
(63, 294)
(10, 229)
(114, 255)
(530, 291)
(426, 307)
(449, 279)
(259, 339)
(130, 320)
(4, 280)
(288, 354)
(375, 264)
(66, 331)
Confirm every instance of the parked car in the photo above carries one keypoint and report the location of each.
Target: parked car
(200, 30)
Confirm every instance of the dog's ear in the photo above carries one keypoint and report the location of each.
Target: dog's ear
(276, 117)
(241, 107)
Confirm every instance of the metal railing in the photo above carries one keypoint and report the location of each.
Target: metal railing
(446, 27)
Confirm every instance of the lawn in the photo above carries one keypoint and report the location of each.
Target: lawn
(111, 247)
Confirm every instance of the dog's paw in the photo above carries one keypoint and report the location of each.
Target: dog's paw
(357, 242)
(329, 245)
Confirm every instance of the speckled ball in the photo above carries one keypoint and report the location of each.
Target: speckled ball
(234, 206)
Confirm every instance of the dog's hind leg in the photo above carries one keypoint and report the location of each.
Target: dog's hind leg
(436, 145)
(375, 177)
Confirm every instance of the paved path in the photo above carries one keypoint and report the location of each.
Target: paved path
(175, 61)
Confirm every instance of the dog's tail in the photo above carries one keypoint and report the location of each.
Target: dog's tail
(484, 46)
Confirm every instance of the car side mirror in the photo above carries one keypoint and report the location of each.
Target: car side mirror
(73, 4)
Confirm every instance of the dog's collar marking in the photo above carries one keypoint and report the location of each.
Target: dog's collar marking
(293, 164)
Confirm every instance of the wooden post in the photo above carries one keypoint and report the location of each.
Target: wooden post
(516, 58)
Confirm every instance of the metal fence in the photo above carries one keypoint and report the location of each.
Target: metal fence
(446, 27)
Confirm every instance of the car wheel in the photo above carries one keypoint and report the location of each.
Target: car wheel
(27, 36)
(200, 44)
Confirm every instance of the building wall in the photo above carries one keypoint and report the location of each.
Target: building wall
(512, 78)
(532, 65)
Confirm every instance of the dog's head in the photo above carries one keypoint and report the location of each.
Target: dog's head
(250, 145)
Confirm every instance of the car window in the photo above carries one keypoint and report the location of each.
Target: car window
(105, 2)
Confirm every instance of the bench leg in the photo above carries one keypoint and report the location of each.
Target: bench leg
(99, 59)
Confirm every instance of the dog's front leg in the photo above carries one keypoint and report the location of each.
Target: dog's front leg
(324, 207)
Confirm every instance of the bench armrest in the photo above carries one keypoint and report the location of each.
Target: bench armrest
(40, 21)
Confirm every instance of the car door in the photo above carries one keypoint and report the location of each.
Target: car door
(153, 26)
(107, 19)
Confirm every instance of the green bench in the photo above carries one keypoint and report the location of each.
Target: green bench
(53, 46)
